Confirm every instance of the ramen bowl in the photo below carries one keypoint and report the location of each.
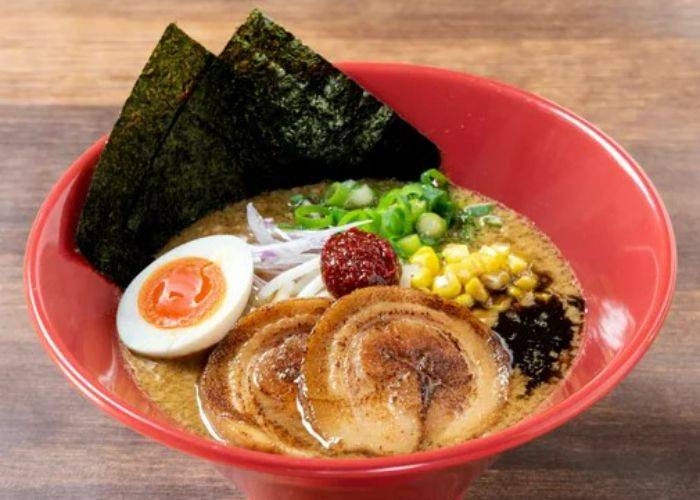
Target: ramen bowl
(574, 182)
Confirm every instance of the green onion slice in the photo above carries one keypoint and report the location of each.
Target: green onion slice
(313, 217)
(417, 208)
(440, 202)
(412, 190)
(431, 227)
(478, 210)
(393, 197)
(337, 214)
(408, 245)
(354, 216)
(338, 193)
(359, 215)
(395, 222)
(360, 196)
(492, 220)
(434, 177)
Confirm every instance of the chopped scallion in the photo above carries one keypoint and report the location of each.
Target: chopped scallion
(478, 210)
(492, 220)
(338, 193)
(431, 227)
(313, 217)
(361, 196)
(434, 177)
(408, 245)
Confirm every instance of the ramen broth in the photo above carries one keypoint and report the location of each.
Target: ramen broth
(172, 383)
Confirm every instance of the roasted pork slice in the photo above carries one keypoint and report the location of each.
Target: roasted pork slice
(249, 387)
(390, 370)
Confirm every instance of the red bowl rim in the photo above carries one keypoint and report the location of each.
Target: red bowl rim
(526, 430)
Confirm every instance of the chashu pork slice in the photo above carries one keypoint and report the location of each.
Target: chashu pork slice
(390, 370)
(249, 386)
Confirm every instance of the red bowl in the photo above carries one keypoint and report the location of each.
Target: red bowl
(580, 187)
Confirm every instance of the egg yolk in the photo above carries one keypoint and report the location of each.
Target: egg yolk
(182, 293)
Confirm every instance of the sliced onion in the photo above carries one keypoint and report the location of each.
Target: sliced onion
(303, 245)
(291, 257)
(258, 281)
(324, 233)
(283, 262)
(279, 232)
(258, 226)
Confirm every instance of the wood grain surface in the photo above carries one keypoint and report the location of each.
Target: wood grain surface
(632, 67)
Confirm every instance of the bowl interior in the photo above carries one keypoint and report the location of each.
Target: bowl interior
(578, 186)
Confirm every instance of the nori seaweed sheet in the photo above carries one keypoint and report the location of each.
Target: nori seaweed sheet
(145, 120)
(206, 161)
(268, 113)
(316, 122)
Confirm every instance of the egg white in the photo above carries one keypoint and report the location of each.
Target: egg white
(234, 258)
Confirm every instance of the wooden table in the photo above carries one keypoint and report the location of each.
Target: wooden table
(632, 67)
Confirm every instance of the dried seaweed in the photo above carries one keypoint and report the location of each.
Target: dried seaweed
(316, 122)
(267, 113)
(202, 164)
(270, 113)
(144, 122)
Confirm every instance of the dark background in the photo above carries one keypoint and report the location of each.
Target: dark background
(632, 67)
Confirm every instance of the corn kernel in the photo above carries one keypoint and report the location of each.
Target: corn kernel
(515, 292)
(491, 263)
(462, 270)
(483, 315)
(447, 286)
(425, 256)
(488, 250)
(492, 259)
(454, 252)
(516, 264)
(476, 262)
(501, 248)
(477, 290)
(422, 278)
(501, 305)
(465, 299)
(503, 251)
(495, 281)
(526, 282)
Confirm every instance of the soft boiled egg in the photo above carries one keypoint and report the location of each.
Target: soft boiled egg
(188, 298)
